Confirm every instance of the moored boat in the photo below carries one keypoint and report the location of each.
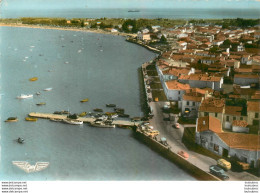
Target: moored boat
(73, 121)
(11, 119)
(47, 89)
(98, 110)
(39, 104)
(119, 110)
(31, 119)
(110, 105)
(84, 100)
(102, 124)
(24, 96)
(83, 114)
(38, 93)
(65, 112)
(56, 119)
(33, 79)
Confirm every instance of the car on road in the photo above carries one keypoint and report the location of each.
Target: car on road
(224, 164)
(176, 126)
(183, 154)
(218, 172)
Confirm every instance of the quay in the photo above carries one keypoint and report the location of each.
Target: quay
(84, 119)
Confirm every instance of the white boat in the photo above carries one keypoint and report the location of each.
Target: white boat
(73, 121)
(102, 124)
(24, 96)
(47, 89)
(56, 119)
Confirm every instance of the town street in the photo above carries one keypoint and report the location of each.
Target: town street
(174, 139)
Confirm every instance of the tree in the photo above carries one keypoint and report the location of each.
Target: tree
(163, 39)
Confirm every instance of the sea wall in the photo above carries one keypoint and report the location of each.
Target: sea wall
(175, 158)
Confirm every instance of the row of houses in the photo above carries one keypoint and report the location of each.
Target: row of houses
(224, 117)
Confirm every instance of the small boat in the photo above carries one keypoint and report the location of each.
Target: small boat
(120, 111)
(73, 121)
(47, 89)
(20, 140)
(102, 124)
(114, 116)
(39, 104)
(57, 112)
(33, 79)
(38, 93)
(123, 115)
(65, 112)
(84, 100)
(83, 114)
(11, 119)
(110, 105)
(98, 110)
(24, 96)
(56, 119)
(31, 119)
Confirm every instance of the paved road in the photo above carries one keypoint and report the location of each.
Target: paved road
(174, 139)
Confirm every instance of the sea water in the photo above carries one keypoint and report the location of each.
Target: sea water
(173, 13)
(76, 65)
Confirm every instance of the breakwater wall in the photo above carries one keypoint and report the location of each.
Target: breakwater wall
(175, 158)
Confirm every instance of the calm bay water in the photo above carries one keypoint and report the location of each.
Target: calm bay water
(144, 13)
(76, 65)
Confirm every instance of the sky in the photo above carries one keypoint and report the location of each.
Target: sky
(63, 4)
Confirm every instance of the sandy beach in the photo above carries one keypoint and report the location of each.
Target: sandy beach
(68, 29)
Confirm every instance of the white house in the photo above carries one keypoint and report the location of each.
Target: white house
(143, 37)
(174, 90)
(209, 135)
(246, 79)
(239, 126)
(191, 101)
(202, 81)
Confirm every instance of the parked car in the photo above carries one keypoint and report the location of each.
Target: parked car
(218, 172)
(224, 164)
(244, 166)
(153, 133)
(176, 125)
(183, 154)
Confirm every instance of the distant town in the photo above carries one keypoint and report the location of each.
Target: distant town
(203, 86)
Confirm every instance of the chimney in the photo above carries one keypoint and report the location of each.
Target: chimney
(204, 123)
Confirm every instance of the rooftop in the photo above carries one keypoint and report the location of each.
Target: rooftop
(253, 106)
(175, 85)
(233, 110)
(239, 123)
(209, 124)
(212, 105)
(241, 141)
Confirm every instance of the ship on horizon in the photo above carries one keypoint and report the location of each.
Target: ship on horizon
(133, 10)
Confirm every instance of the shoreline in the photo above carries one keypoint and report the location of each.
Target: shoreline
(68, 29)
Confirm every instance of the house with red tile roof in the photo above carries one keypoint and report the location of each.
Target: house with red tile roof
(212, 107)
(191, 101)
(174, 90)
(202, 81)
(240, 126)
(253, 111)
(209, 134)
(246, 79)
